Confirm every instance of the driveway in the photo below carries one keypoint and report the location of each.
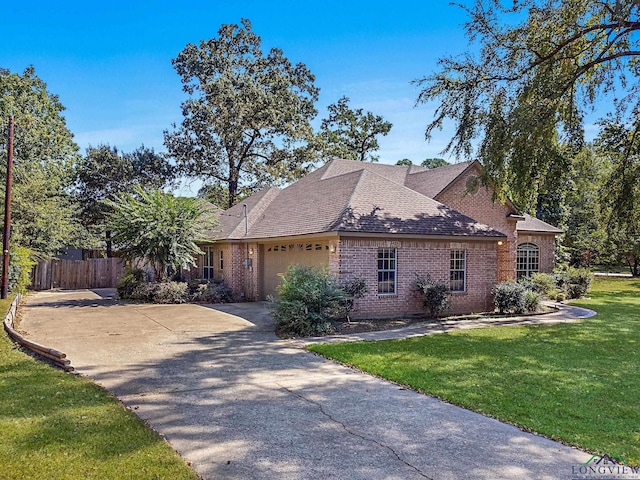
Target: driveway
(239, 403)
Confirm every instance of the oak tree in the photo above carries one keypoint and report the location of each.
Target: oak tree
(247, 119)
(351, 134)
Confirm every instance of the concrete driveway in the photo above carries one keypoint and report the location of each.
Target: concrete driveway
(239, 403)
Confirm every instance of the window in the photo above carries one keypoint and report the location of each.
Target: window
(387, 270)
(458, 271)
(528, 260)
(208, 262)
(221, 260)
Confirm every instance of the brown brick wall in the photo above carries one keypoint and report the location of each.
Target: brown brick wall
(358, 258)
(480, 207)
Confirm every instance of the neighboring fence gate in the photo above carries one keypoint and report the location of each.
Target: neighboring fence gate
(76, 274)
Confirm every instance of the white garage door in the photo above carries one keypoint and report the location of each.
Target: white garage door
(277, 257)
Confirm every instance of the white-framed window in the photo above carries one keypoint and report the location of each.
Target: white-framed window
(527, 260)
(387, 263)
(458, 271)
(221, 259)
(208, 262)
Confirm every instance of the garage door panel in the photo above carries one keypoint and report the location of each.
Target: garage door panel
(278, 257)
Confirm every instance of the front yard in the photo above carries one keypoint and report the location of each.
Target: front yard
(578, 383)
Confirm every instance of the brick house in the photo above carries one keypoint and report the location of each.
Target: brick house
(384, 223)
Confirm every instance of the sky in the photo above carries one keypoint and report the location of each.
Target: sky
(110, 62)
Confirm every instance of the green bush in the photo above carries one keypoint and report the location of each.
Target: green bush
(543, 283)
(435, 294)
(353, 289)
(212, 292)
(531, 301)
(574, 282)
(309, 298)
(509, 297)
(20, 265)
(129, 283)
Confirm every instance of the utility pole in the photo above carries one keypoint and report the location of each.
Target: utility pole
(7, 213)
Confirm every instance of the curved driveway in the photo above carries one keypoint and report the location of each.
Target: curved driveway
(239, 403)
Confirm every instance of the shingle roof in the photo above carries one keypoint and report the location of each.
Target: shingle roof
(349, 196)
(531, 224)
(433, 181)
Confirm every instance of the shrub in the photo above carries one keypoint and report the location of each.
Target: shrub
(309, 298)
(20, 265)
(129, 282)
(543, 283)
(574, 282)
(144, 292)
(578, 282)
(531, 301)
(509, 297)
(212, 292)
(170, 292)
(353, 289)
(435, 293)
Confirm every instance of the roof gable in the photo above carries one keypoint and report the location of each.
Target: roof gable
(433, 181)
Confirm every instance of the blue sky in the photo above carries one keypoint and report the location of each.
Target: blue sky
(110, 62)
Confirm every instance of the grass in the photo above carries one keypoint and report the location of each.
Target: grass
(578, 383)
(55, 425)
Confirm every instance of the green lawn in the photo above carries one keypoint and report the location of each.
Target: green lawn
(55, 425)
(577, 382)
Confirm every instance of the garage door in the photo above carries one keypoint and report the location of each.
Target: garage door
(277, 257)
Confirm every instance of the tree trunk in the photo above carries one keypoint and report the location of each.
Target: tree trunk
(233, 190)
(109, 244)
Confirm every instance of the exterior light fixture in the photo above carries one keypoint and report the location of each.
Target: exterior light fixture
(499, 242)
(251, 251)
(332, 248)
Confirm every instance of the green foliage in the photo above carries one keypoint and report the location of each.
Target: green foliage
(543, 283)
(129, 282)
(404, 161)
(351, 134)
(44, 156)
(309, 298)
(620, 195)
(353, 289)
(104, 173)
(20, 264)
(434, 163)
(435, 293)
(541, 66)
(247, 119)
(160, 228)
(575, 282)
(531, 301)
(509, 297)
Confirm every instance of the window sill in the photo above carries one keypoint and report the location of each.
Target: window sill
(387, 295)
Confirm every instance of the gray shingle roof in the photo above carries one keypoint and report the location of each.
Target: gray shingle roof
(433, 181)
(531, 224)
(349, 196)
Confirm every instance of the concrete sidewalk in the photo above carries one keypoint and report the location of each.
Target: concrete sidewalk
(239, 403)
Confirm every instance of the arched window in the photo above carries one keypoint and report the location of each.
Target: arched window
(528, 260)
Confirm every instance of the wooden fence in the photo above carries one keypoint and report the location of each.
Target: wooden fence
(76, 274)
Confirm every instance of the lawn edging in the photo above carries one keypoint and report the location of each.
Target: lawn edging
(56, 357)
